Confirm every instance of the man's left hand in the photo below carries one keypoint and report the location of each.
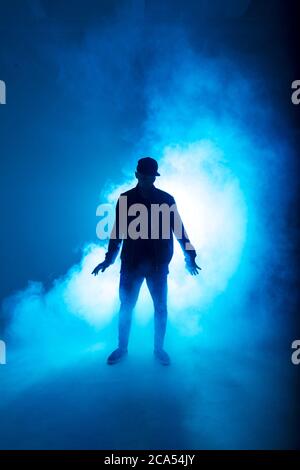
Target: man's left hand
(192, 267)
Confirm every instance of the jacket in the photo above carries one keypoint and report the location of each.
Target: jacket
(147, 236)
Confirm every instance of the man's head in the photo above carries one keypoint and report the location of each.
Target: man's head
(146, 172)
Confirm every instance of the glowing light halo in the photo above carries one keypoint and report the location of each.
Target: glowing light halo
(212, 207)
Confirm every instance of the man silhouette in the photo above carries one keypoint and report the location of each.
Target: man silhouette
(146, 253)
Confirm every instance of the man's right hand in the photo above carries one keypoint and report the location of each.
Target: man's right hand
(101, 267)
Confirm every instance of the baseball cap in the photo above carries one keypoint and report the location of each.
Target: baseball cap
(147, 166)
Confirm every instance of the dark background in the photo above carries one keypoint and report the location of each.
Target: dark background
(57, 151)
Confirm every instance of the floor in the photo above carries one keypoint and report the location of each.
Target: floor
(211, 397)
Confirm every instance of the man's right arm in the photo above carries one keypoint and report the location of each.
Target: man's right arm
(114, 245)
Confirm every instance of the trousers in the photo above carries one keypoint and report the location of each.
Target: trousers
(131, 281)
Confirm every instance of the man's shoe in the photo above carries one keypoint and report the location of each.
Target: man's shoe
(162, 357)
(116, 356)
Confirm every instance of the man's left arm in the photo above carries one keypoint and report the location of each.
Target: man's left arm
(184, 241)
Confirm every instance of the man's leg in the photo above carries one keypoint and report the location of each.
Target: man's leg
(130, 284)
(158, 287)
